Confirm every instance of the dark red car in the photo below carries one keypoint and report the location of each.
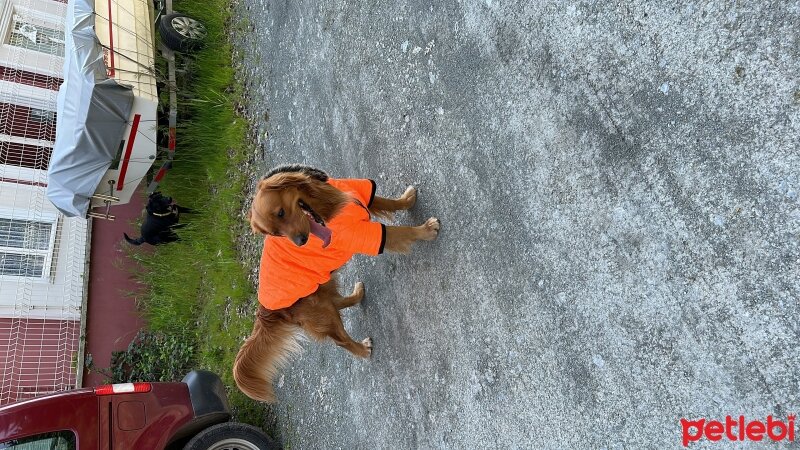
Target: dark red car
(190, 415)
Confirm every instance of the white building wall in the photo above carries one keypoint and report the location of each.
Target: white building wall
(47, 13)
(59, 293)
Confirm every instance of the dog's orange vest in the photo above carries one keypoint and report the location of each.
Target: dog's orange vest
(289, 273)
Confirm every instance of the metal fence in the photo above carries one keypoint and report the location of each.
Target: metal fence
(43, 255)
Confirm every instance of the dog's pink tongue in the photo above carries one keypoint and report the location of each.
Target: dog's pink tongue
(321, 232)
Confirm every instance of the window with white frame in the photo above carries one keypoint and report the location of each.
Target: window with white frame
(42, 116)
(36, 37)
(26, 246)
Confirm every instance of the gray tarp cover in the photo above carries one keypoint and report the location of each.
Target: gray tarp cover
(92, 113)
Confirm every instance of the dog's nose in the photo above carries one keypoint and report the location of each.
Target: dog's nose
(300, 239)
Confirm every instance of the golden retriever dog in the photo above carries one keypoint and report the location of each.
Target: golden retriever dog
(313, 225)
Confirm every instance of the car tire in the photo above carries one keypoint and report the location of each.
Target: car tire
(181, 33)
(231, 436)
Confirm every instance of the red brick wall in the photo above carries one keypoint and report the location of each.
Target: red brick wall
(15, 120)
(38, 357)
(24, 155)
(30, 78)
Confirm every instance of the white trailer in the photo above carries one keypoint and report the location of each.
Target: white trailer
(108, 104)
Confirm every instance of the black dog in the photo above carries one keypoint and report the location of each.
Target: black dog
(161, 221)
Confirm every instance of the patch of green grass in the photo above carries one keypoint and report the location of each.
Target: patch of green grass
(151, 356)
(194, 288)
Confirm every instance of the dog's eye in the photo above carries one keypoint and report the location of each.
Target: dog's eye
(281, 213)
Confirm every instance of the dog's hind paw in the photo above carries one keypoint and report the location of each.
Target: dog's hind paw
(409, 197)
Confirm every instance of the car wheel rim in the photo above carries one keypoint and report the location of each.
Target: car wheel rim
(233, 444)
(189, 28)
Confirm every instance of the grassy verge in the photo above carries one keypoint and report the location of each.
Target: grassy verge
(195, 289)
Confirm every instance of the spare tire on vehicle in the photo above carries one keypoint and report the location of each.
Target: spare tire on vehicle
(181, 33)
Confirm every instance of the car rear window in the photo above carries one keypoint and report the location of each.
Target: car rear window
(59, 440)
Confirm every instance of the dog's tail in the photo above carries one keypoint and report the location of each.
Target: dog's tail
(267, 349)
(137, 241)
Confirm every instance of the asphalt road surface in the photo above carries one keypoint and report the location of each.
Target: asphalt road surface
(618, 189)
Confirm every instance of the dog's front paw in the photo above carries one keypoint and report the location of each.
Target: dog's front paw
(409, 197)
(431, 229)
(367, 343)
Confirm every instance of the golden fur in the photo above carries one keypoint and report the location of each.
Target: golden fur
(275, 332)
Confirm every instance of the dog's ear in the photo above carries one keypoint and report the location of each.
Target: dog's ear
(254, 223)
(257, 229)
